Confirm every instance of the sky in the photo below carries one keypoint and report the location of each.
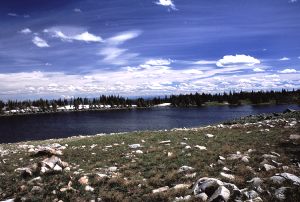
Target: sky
(67, 48)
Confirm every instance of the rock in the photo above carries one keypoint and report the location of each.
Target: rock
(181, 198)
(209, 135)
(181, 186)
(251, 194)
(187, 147)
(112, 169)
(134, 146)
(266, 156)
(83, 180)
(161, 189)
(280, 193)
(203, 196)
(225, 169)
(232, 157)
(268, 167)
(36, 189)
(51, 162)
(192, 175)
(288, 110)
(274, 153)
(222, 158)
(206, 185)
(57, 168)
(245, 159)
(228, 176)
(47, 151)
(165, 142)
(291, 177)
(67, 169)
(277, 179)
(185, 168)
(294, 137)
(89, 188)
(255, 182)
(221, 194)
(200, 147)
(37, 179)
(170, 154)
(139, 152)
(25, 172)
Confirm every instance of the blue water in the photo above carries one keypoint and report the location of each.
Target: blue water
(45, 126)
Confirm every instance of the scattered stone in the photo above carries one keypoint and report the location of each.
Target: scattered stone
(134, 146)
(294, 137)
(165, 142)
(181, 186)
(222, 158)
(187, 147)
(89, 188)
(185, 168)
(113, 169)
(139, 152)
(170, 154)
(221, 194)
(36, 189)
(192, 175)
(161, 189)
(209, 135)
(266, 156)
(202, 196)
(225, 169)
(57, 168)
(200, 147)
(268, 167)
(256, 182)
(181, 198)
(228, 176)
(245, 159)
(251, 194)
(276, 154)
(83, 180)
(280, 193)
(291, 177)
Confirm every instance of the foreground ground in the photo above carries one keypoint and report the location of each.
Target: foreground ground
(254, 159)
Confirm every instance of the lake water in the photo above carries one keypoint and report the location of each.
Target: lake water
(45, 126)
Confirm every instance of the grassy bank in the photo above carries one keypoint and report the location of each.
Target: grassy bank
(115, 171)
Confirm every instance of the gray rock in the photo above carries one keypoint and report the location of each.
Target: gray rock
(268, 167)
(251, 194)
(161, 189)
(291, 177)
(36, 189)
(221, 194)
(294, 137)
(280, 193)
(206, 185)
(255, 182)
(185, 168)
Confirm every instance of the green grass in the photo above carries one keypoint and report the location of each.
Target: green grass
(139, 174)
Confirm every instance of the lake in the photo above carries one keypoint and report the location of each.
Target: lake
(59, 125)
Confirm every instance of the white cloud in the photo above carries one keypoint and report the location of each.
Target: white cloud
(231, 60)
(39, 42)
(77, 10)
(25, 31)
(284, 59)
(123, 37)
(258, 69)
(12, 14)
(299, 57)
(73, 34)
(158, 62)
(293, 1)
(26, 16)
(204, 62)
(166, 3)
(288, 71)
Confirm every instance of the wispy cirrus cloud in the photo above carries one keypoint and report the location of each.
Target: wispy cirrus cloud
(73, 34)
(77, 10)
(39, 42)
(284, 59)
(288, 71)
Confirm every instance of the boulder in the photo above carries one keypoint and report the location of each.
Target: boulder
(221, 194)
(185, 168)
(255, 182)
(280, 193)
(268, 167)
(206, 185)
(291, 177)
(294, 137)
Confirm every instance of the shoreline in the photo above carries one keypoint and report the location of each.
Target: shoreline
(136, 108)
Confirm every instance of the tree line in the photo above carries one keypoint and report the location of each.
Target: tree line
(182, 100)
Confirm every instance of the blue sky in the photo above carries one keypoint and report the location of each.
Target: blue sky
(65, 48)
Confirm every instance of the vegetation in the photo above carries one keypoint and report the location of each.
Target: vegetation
(139, 173)
(197, 99)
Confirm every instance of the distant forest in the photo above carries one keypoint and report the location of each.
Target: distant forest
(186, 100)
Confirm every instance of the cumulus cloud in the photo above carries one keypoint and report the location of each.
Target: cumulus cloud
(158, 62)
(233, 60)
(39, 42)
(288, 71)
(73, 34)
(25, 31)
(284, 59)
(166, 3)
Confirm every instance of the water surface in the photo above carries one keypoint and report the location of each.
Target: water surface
(58, 125)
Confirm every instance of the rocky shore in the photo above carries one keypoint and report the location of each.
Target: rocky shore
(254, 158)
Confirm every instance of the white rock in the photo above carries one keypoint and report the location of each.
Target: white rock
(112, 169)
(89, 188)
(181, 198)
(83, 180)
(280, 193)
(294, 137)
(134, 146)
(206, 183)
(139, 152)
(222, 158)
(185, 168)
(200, 147)
(165, 142)
(202, 196)
(161, 189)
(225, 169)
(222, 192)
(291, 177)
(57, 168)
(170, 154)
(269, 167)
(192, 175)
(181, 186)
(187, 147)
(228, 176)
(245, 159)
(269, 156)
(209, 135)
(251, 194)
(256, 182)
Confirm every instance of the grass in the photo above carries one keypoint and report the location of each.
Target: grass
(139, 174)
